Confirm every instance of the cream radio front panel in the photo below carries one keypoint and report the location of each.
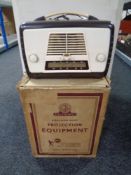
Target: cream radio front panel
(66, 49)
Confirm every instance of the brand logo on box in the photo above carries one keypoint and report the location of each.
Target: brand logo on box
(52, 142)
(64, 110)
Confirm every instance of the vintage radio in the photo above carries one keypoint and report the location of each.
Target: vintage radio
(60, 47)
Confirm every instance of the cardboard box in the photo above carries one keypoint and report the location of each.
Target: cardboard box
(64, 117)
(8, 18)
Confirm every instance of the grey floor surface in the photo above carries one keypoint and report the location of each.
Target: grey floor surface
(114, 153)
(12, 41)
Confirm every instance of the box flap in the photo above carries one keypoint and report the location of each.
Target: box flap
(60, 83)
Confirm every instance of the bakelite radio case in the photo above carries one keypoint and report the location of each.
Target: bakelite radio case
(67, 49)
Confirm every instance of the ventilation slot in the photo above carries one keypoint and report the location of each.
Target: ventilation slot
(66, 43)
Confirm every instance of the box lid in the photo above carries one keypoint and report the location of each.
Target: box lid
(66, 83)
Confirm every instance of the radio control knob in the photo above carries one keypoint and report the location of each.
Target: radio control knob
(101, 57)
(33, 58)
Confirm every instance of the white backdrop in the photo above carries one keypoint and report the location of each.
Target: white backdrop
(26, 10)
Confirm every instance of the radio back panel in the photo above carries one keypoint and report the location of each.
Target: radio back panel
(65, 49)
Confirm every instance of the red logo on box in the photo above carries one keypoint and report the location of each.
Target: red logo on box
(64, 110)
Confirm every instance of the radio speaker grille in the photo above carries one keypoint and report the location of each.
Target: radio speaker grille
(66, 44)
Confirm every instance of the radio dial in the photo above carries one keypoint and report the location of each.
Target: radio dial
(33, 58)
(101, 57)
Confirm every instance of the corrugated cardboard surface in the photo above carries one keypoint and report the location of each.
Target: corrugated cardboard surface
(64, 117)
